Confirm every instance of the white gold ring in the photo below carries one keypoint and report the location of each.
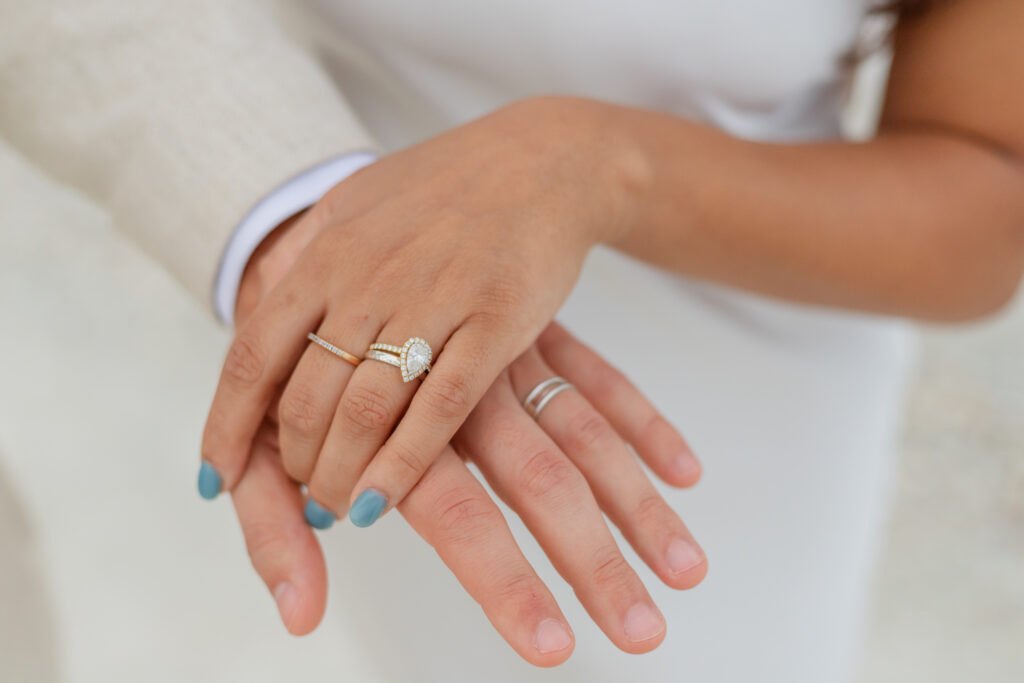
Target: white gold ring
(413, 358)
(542, 394)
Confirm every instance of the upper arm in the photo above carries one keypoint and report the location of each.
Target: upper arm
(958, 69)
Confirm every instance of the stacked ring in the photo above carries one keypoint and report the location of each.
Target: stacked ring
(413, 358)
(344, 355)
(542, 394)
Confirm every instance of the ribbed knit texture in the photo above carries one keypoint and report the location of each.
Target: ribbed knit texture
(176, 116)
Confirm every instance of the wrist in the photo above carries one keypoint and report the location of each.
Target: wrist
(631, 170)
(610, 161)
(657, 166)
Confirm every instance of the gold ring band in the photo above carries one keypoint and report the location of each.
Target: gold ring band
(413, 358)
(344, 355)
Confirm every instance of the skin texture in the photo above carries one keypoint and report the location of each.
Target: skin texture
(582, 469)
(473, 239)
(426, 261)
(926, 220)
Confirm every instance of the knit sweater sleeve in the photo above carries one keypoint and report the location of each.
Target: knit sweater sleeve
(176, 116)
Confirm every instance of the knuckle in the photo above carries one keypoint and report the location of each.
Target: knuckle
(412, 461)
(449, 396)
(547, 473)
(246, 359)
(610, 569)
(367, 409)
(500, 295)
(519, 588)
(465, 516)
(587, 430)
(298, 411)
(650, 509)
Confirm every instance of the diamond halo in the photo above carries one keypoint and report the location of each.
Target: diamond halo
(415, 358)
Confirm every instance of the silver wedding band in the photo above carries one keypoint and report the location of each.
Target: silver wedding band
(542, 394)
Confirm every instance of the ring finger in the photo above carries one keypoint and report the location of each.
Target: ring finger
(370, 406)
(622, 488)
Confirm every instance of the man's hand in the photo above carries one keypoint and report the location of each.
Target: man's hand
(559, 481)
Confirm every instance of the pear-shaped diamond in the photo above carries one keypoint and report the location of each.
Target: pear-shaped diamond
(416, 357)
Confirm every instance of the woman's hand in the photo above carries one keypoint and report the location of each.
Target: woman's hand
(559, 473)
(470, 241)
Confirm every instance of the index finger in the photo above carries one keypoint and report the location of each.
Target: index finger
(262, 354)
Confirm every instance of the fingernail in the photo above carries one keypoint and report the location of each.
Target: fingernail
(317, 516)
(552, 636)
(367, 507)
(209, 481)
(287, 599)
(682, 556)
(643, 623)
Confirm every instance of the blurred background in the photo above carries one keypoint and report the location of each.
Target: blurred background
(949, 604)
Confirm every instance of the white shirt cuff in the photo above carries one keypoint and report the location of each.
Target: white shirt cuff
(296, 194)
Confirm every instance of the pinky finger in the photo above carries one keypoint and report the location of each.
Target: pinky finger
(636, 420)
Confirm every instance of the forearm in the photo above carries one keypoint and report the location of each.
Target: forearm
(922, 224)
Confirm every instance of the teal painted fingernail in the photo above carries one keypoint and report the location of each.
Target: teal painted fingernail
(209, 481)
(317, 516)
(367, 507)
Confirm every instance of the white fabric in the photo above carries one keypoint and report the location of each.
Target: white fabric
(281, 203)
(175, 117)
(142, 581)
(792, 409)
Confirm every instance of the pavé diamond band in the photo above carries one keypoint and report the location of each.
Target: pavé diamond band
(413, 358)
(344, 355)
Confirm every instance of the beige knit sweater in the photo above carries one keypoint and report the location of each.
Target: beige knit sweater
(176, 116)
